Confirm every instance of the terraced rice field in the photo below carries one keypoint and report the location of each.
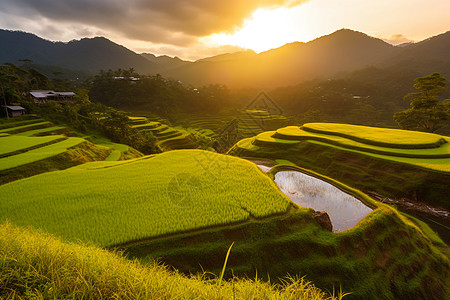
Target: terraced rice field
(168, 137)
(114, 202)
(417, 148)
(394, 138)
(30, 141)
(12, 144)
(43, 131)
(26, 127)
(39, 154)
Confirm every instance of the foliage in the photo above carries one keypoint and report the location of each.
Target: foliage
(130, 90)
(111, 203)
(17, 81)
(427, 113)
(85, 116)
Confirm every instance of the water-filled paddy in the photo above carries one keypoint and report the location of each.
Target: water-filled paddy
(345, 211)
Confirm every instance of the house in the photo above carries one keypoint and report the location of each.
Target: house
(41, 96)
(131, 80)
(15, 110)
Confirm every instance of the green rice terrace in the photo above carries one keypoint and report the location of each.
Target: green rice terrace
(186, 207)
(394, 163)
(36, 146)
(168, 137)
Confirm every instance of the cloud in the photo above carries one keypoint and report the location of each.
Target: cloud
(398, 39)
(172, 22)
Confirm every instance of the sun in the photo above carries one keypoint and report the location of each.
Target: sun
(264, 30)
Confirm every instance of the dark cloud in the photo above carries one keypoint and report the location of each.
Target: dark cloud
(175, 22)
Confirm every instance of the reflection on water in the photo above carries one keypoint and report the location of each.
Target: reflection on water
(307, 191)
(264, 168)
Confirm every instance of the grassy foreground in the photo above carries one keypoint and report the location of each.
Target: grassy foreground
(36, 265)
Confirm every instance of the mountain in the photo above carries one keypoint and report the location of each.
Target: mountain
(248, 54)
(88, 54)
(336, 54)
(344, 50)
(428, 56)
(164, 62)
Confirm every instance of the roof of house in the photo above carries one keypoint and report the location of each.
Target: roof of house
(46, 93)
(15, 107)
(66, 93)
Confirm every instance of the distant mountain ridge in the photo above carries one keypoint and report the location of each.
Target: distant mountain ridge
(87, 54)
(338, 53)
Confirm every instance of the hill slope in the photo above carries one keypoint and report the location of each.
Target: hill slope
(91, 54)
(342, 51)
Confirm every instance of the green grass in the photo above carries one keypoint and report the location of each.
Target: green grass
(183, 141)
(120, 151)
(114, 156)
(150, 125)
(38, 154)
(392, 172)
(296, 133)
(25, 127)
(437, 159)
(172, 192)
(266, 138)
(36, 265)
(435, 164)
(47, 130)
(15, 143)
(14, 123)
(395, 138)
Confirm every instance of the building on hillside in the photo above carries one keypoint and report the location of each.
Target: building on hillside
(41, 96)
(131, 80)
(14, 110)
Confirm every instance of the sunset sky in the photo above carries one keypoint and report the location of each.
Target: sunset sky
(198, 28)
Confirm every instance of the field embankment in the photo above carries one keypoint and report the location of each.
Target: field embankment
(394, 163)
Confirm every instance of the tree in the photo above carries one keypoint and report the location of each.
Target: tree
(427, 113)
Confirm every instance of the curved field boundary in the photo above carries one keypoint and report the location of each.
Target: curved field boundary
(43, 131)
(180, 142)
(19, 123)
(150, 125)
(138, 120)
(290, 134)
(114, 155)
(384, 137)
(39, 154)
(14, 145)
(267, 139)
(23, 128)
(440, 165)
